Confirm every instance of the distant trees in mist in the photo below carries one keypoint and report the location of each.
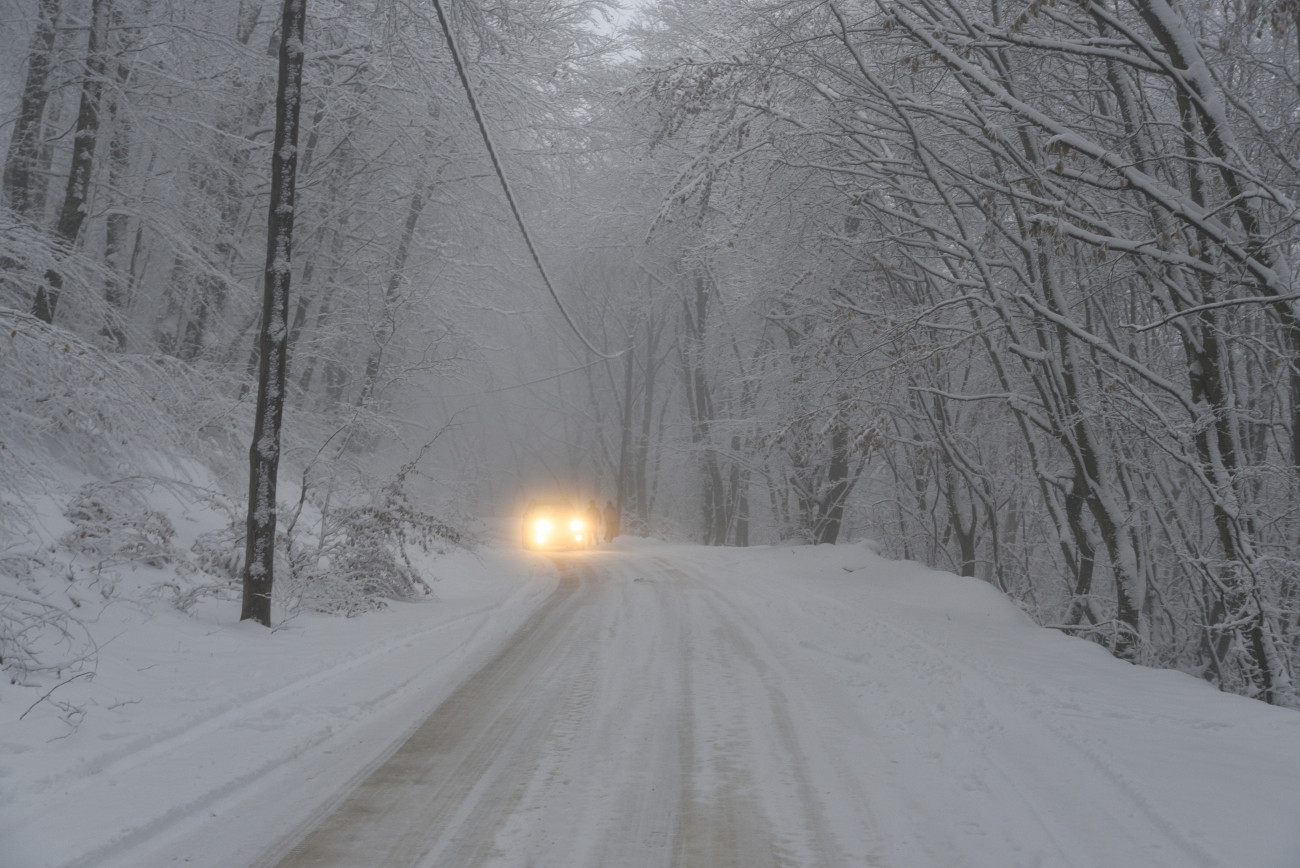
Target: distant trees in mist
(1017, 284)
(1009, 288)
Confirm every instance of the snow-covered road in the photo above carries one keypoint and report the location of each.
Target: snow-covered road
(658, 705)
(624, 724)
(658, 710)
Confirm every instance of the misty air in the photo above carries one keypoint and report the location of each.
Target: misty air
(649, 434)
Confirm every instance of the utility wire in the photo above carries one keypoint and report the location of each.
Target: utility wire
(505, 186)
(545, 379)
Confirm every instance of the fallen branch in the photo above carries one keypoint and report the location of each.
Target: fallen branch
(51, 690)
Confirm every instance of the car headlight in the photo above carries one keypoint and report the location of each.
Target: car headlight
(543, 526)
(575, 525)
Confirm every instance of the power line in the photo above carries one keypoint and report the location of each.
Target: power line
(505, 186)
(545, 379)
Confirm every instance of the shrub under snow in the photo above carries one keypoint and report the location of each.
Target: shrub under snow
(121, 480)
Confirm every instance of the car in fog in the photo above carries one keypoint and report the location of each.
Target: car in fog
(556, 524)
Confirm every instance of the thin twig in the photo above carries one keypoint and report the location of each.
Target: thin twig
(51, 690)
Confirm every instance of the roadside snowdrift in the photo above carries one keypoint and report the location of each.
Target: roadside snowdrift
(980, 739)
(189, 720)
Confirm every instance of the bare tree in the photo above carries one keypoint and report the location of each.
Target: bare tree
(24, 144)
(264, 454)
(72, 213)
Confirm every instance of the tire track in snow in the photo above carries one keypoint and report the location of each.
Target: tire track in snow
(425, 803)
(643, 731)
(606, 789)
(726, 821)
(165, 757)
(564, 750)
(660, 717)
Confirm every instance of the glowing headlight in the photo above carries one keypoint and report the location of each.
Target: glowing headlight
(543, 526)
(575, 525)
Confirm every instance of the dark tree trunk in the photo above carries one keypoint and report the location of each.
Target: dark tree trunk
(640, 478)
(318, 325)
(117, 229)
(387, 325)
(623, 486)
(831, 509)
(24, 145)
(699, 403)
(958, 512)
(264, 454)
(1082, 556)
(85, 137)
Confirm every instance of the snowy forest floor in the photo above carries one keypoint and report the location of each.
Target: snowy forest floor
(682, 706)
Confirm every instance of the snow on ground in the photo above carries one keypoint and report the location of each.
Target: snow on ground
(922, 720)
(189, 715)
(969, 736)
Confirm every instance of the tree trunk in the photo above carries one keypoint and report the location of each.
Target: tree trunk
(24, 145)
(264, 454)
(641, 482)
(117, 284)
(85, 137)
(388, 324)
(831, 508)
(957, 513)
(623, 481)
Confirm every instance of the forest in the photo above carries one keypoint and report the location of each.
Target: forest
(1008, 288)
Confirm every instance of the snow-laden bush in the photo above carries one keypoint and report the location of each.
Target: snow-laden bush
(101, 455)
(39, 634)
(91, 433)
(220, 552)
(112, 524)
(361, 558)
(29, 253)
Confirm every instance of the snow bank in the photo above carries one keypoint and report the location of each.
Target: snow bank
(188, 719)
(967, 712)
(973, 737)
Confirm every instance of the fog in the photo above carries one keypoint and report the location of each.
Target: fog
(1016, 300)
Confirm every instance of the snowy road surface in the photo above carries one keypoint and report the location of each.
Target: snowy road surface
(657, 713)
(657, 705)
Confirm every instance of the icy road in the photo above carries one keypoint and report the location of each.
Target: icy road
(657, 705)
